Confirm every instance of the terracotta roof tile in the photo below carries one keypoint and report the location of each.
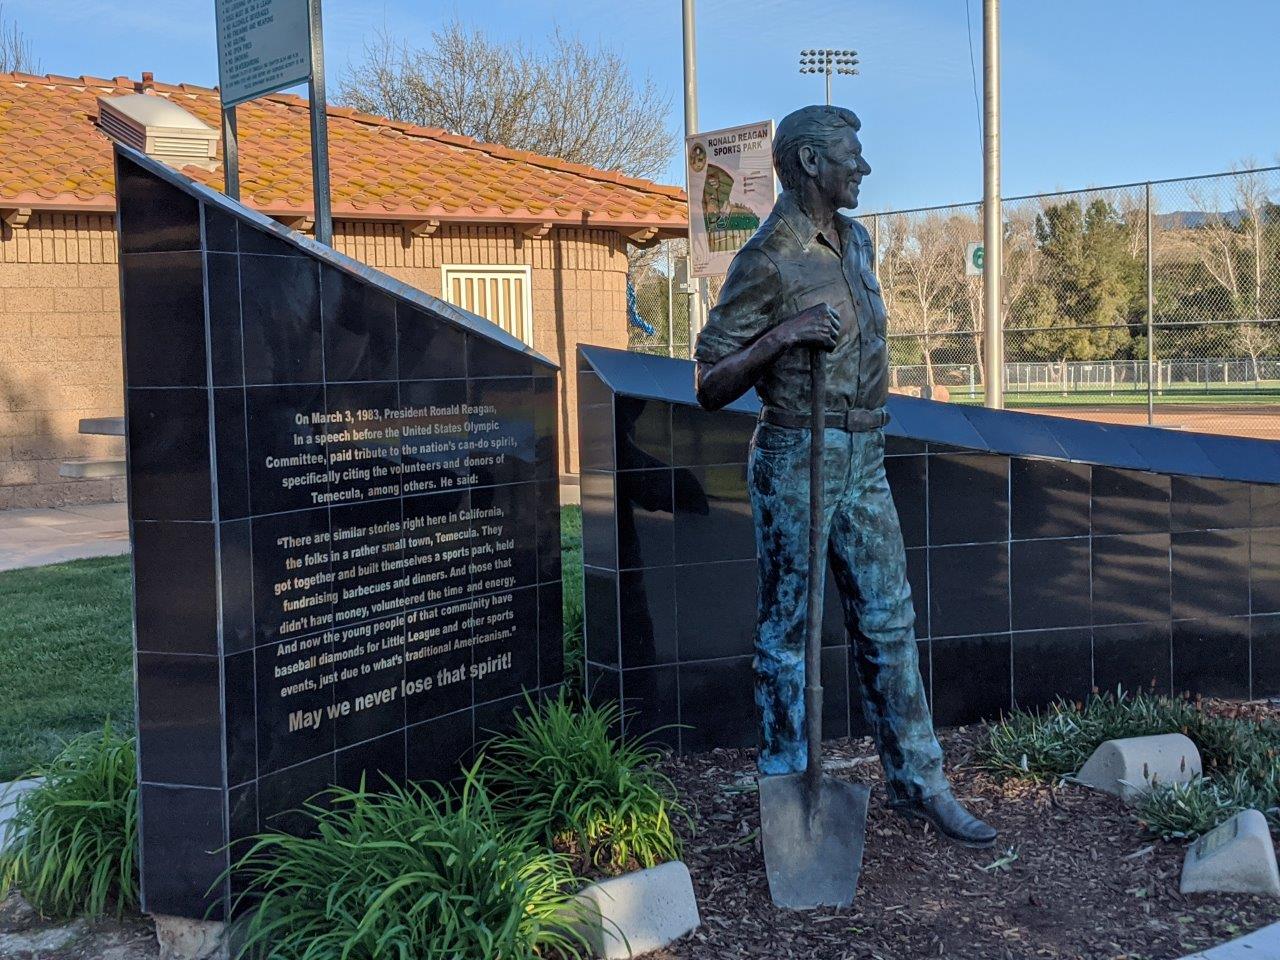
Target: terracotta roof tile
(53, 154)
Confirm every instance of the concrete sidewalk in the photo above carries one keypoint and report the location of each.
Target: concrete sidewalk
(1262, 944)
(33, 538)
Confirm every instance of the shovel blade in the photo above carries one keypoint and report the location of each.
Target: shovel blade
(812, 857)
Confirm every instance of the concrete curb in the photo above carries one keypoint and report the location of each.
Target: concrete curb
(1262, 944)
(9, 794)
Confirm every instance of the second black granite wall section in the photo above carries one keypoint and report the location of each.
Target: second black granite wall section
(1047, 558)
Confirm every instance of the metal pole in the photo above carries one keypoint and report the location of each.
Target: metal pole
(230, 154)
(875, 244)
(992, 225)
(697, 287)
(319, 129)
(671, 312)
(1151, 325)
(828, 73)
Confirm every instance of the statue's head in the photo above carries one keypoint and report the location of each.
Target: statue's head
(820, 145)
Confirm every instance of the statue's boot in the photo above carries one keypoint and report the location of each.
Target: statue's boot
(950, 819)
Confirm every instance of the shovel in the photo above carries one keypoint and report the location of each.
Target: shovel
(813, 827)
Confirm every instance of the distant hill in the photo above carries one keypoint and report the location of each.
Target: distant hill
(1191, 219)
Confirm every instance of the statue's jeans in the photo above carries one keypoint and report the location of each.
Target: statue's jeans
(863, 543)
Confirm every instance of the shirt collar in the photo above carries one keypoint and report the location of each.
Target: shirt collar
(798, 221)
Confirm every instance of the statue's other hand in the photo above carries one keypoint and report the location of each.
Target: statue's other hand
(817, 326)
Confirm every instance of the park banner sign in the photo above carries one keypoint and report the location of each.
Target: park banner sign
(731, 190)
(263, 46)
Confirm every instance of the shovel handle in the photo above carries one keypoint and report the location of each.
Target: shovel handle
(817, 570)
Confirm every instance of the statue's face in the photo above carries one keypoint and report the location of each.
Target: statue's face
(839, 169)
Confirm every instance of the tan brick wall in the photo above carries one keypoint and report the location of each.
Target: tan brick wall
(60, 329)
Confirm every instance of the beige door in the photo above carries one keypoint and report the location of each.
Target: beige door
(499, 294)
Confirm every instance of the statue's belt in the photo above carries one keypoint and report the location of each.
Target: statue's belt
(852, 421)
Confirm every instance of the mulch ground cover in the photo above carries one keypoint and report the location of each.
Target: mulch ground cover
(1071, 876)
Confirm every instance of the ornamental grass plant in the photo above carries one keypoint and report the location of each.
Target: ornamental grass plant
(562, 777)
(1239, 756)
(70, 847)
(410, 873)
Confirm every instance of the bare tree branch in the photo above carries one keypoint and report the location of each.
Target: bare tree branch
(570, 101)
(15, 49)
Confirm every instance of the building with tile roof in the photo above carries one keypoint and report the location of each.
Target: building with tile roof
(535, 244)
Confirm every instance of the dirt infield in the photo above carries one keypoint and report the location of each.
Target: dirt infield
(1261, 421)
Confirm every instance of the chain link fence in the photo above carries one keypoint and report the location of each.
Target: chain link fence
(1150, 303)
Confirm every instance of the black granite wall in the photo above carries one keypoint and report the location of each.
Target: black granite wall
(344, 506)
(1047, 557)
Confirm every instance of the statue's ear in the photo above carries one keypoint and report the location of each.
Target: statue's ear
(808, 157)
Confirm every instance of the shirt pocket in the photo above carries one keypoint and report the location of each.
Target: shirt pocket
(879, 314)
(835, 294)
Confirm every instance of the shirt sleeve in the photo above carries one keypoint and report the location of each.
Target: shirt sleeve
(745, 308)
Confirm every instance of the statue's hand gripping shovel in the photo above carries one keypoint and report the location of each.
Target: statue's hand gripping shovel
(813, 827)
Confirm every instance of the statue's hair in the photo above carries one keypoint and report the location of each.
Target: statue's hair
(815, 126)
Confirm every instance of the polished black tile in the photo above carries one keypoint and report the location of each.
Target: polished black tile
(918, 577)
(226, 358)
(368, 680)
(433, 442)
(1211, 657)
(970, 678)
(437, 531)
(219, 230)
(968, 498)
(1132, 657)
(1202, 504)
(1170, 451)
(504, 555)
(1050, 583)
(375, 763)
(366, 561)
(235, 563)
(500, 718)
(286, 444)
(595, 423)
(604, 685)
(646, 523)
(1096, 443)
(1016, 433)
(1241, 458)
(183, 839)
(836, 692)
(1264, 656)
(505, 655)
(717, 705)
(907, 479)
(1264, 570)
(1128, 501)
(175, 587)
(231, 453)
(700, 437)
(643, 431)
(240, 728)
(280, 308)
(551, 634)
(488, 358)
(281, 796)
(1131, 578)
(713, 514)
(1264, 504)
(1048, 664)
(651, 704)
(258, 240)
(969, 589)
(901, 446)
(292, 589)
(547, 509)
(725, 627)
(429, 348)
(1048, 499)
(436, 749)
(294, 697)
(647, 616)
(503, 445)
(600, 615)
(359, 323)
(154, 215)
(169, 475)
(437, 668)
(546, 428)
(1210, 573)
(179, 721)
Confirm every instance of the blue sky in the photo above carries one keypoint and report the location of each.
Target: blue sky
(1095, 91)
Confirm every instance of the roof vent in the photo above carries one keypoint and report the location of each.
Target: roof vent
(159, 128)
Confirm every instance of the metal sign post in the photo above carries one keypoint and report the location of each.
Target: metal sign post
(265, 46)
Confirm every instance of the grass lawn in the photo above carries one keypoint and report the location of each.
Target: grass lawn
(66, 649)
(66, 657)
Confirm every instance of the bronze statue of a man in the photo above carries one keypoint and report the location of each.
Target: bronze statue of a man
(806, 280)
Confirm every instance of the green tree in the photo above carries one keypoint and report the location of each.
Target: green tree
(1088, 287)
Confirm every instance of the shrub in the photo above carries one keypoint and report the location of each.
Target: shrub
(70, 846)
(563, 777)
(414, 873)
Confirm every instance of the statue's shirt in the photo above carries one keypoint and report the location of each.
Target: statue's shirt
(785, 268)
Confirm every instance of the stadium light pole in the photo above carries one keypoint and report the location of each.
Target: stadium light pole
(697, 287)
(992, 219)
(828, 62)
